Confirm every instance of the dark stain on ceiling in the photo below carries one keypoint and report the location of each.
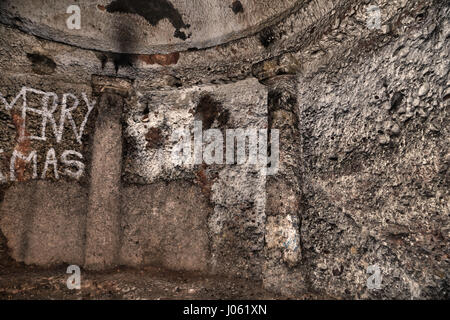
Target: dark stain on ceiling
(152, 11)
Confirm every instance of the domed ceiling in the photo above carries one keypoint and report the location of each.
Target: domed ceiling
(145, 26)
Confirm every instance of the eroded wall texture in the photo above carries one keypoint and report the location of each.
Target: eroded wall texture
(88, 118)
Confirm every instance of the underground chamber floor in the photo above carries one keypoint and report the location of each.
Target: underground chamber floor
(21, 282)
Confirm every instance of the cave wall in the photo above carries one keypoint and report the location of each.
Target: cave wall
(375, 168)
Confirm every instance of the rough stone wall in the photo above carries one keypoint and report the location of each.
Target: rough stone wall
(375, 168)
(364, 151)
(213, 220)
(235, 197)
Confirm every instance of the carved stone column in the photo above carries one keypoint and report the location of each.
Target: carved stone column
(103, 220)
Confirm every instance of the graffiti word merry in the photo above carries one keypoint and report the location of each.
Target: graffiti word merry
(49, 105)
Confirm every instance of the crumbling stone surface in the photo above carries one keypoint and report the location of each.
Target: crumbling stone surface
(375, 168)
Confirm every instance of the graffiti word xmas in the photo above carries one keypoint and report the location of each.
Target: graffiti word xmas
(70, 160)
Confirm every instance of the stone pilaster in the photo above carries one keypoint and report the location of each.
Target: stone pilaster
(103, 219)
(283, 208)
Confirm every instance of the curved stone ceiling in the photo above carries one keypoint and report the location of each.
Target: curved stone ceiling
(145, 26)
